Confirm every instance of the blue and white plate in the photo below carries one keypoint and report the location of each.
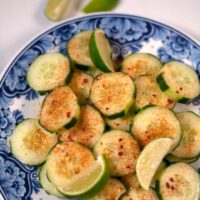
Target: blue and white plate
(17, 101)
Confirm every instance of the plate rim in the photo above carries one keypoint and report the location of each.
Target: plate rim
(28, 43)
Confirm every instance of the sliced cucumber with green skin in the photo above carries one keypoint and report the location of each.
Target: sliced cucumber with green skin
(189, 147)
(121, 151)
(179, 81)
(179, 181)
(46, 184)
(113, 94)
(173, 159)
(138, 64)
(78, 50)
(67, 160)
(100, 51)
(149, 93)
(30, 143)
(88, 130)
(48, 72)
(59, 109)
(140, 194)
(123, 123)
(80, 84)
(155, 122)
(111, 191)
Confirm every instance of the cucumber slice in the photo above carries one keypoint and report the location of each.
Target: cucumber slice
(138, 64)
(179, 81)
(80, 84)
(123, 123)
(48, 72)
(111, 191)
(66, 161)
(155, 122)
(149, 93)
(140, 194)
(190, 142)
(150, 159)
(88, 129)
(179, 181)
(30, 143)
(112, 94)
(130, 181)
(173, 159)
(100, 51)
(46, 184)
(78, 50)
(121, 150)
(89, 182)
(60, 108)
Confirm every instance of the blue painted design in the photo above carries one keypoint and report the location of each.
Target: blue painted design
(124, 30)
(177, 46)
(3, 145)
(7, 123)
(160, 33)
(126, 34)
(62, 35)
(15, 82)
(195, 58)
(163, 55)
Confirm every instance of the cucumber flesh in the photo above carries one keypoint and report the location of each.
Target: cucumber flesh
(80, 84)
(60, 108)
(173, 184)
(189, 147)
(179, 81)
(67, 160)
(46, 184)
(88, 130)
(138, 64)
(121, 151)
(106, 90)
(78, 49)
(149, 93)
(155, 122)
(48, 72)
(30, 143)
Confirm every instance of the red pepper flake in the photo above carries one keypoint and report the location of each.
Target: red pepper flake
(180, 88)
(120, 153)
(85, 80)
(128, 167)
(177, 91)
(153, 95)
(129, 68)
(107, 108)
(120, 139)
(172, 187)
(169, 101)
(171, 179)
(68, 114)
(167, 185)
(121, 146)
(116, 124)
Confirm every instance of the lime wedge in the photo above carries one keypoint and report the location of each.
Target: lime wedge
(89, 182)
(150, 159)
(55, 9)
(100, 5)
